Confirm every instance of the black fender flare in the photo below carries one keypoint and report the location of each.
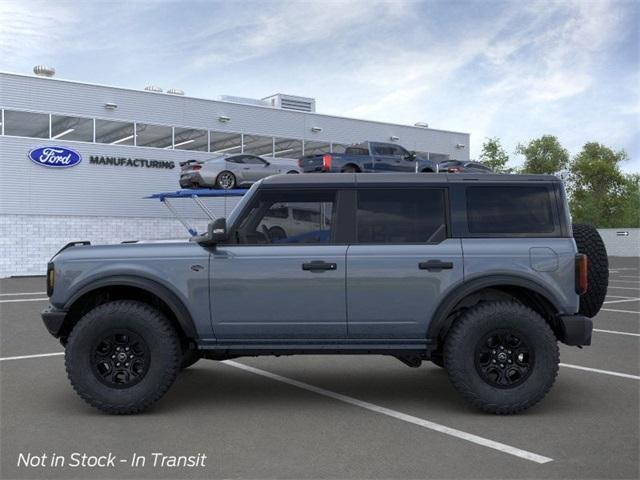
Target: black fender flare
(444, 309)
(174, 303)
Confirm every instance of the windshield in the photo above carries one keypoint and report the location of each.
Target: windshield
(241, 204)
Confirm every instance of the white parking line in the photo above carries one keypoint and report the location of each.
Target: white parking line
(623, 288)
(485, 442)
(624, 281)
(628, 276)
(625, 300)
(21, 293)
(616, 296)
(616, 332)
(618, 311)
(597, 370)
(24, 300)
(39, 355)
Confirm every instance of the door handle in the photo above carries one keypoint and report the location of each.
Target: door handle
(319, 266)
(435, 265)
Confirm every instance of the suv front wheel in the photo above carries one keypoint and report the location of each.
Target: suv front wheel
(122, 356)
(502, 357)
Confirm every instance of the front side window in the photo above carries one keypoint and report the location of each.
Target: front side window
(250, 159)
(401, 216)
(268, 220)
(509, 210)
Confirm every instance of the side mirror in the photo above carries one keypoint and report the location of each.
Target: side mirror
(266, 164)
(411, 156)
(216, 233)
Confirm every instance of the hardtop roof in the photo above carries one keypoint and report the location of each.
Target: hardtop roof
(355, 179)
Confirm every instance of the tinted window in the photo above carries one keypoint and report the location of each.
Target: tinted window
(238, 159)
(401, 216)
(253, 160)
(268, 222)
(499, 209)
(359, 150)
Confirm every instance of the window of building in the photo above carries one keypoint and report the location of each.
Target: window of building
(509, 210)
(401, 216)
(316, 148)
(224, 142)
(72, 128)
(190, 139)
(157, 136)
(258, 145)
(269, 220)
(114, 132)
(26, 124)
(287, 148)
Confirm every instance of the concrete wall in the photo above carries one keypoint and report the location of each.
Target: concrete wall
(619, 245)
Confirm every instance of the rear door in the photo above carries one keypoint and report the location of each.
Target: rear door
(402, 262)
(383, 158)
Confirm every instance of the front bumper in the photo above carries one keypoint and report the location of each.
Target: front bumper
(53, 319)
(575, 329)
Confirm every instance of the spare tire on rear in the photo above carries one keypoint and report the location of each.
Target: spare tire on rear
(590, 243)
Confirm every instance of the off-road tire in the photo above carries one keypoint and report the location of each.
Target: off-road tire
(590, 243)
(460, 357)
(160, 337)
(189, 357)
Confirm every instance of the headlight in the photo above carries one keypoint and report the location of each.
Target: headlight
(50, 278)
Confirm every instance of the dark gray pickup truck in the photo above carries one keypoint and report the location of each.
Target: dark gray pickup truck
(368, 157)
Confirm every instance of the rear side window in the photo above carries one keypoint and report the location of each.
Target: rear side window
(510, 210)
(401, 216)
(357, 151)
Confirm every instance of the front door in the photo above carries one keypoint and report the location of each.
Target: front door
(281, 278)
(401, 263)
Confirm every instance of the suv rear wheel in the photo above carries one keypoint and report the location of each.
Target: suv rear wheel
(502, 357)
(122, 356)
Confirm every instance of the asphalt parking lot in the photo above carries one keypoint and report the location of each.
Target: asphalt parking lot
(325, 416)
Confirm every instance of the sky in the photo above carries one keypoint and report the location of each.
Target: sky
(513, 70)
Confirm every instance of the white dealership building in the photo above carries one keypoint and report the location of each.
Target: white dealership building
(127, 144)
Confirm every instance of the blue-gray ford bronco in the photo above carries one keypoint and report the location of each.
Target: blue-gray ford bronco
(482, 275)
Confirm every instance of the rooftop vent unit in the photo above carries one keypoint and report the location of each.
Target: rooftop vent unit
(153, 88)
(175, 91)
(44, 71)
(421, 124)
(246, 101)
(292, 102)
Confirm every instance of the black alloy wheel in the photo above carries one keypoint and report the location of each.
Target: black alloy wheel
(504, 358)
(120, 359)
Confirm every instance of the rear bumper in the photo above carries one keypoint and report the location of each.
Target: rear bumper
(575, 329)
(53, 319)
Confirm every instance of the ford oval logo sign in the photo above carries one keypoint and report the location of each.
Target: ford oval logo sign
(55, 157)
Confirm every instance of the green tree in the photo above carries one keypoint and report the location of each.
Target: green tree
(600, 193)
(494, 156)
(543, 155)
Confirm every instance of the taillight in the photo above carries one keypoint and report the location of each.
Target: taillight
(455, 170)
(299, 162)
(582, 281)
(196, 167)
(326, 162)
(50, 278)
